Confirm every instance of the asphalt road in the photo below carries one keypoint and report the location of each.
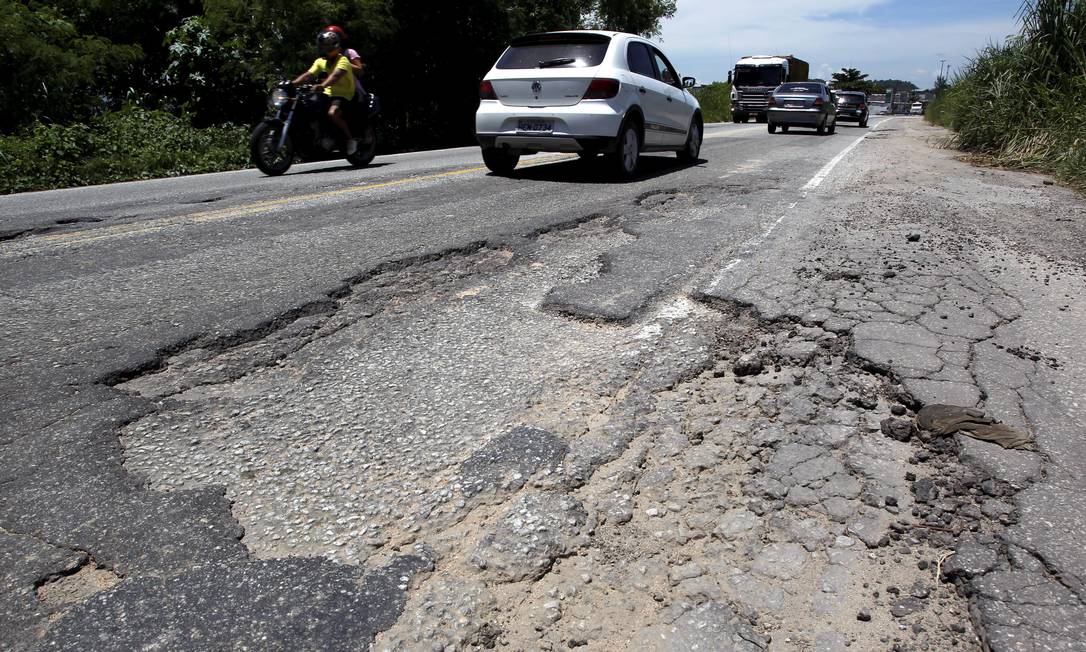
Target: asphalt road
(424, 405)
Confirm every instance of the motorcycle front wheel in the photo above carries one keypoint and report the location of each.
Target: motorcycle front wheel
(265, 152)
(367, 148)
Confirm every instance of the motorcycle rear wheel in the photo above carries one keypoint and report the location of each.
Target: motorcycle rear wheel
(262, 149)
(367, 148)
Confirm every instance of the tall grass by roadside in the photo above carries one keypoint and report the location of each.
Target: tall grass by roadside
(716, 101)
(132, 143)
(1023, 104)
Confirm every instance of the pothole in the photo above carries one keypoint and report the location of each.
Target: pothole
(64, 591)
(755, 500)
(207, 200)
(339, 434)
(78, 220)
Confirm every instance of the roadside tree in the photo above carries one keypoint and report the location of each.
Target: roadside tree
(851, 79)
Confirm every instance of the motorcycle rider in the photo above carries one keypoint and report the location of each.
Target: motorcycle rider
(357, 66)
(338, 84)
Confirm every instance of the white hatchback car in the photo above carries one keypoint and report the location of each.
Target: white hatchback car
(587, 92)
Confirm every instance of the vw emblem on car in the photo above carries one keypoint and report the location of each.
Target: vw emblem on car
(537, 88)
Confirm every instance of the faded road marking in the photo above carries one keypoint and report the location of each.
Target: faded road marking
(750, 245)
(155, 225)
(159, 224)
(818, 178)
(150, 226)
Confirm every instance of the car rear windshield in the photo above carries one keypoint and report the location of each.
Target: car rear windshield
(555, 51)
(801, 89)
(851, 97)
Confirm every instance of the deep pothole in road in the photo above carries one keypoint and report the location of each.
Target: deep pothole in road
(59, 593)
(328, 432)
(703, 467)
(699, 473)
(757, 499)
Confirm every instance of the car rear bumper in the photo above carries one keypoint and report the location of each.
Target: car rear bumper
(852, 115)
(586, 126)
(797, 117)
(544, 143)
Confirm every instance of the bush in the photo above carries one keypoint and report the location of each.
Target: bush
(132, 143)
(1023, 104)
(716, 101)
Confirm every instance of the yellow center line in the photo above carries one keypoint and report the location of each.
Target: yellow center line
(150, 226)
(159, 224)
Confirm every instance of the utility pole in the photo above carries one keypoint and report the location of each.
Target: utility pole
(941, 62)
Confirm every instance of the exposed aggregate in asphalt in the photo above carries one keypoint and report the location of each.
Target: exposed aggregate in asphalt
(524, 448)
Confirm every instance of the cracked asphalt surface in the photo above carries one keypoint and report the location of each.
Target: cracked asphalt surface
(421, 407)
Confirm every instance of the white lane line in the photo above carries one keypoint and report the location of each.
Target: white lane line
(821, 175)
(750, 245)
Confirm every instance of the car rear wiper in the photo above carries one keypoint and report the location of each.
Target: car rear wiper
(550, 63)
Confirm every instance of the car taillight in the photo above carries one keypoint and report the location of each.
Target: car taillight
(601, 89)
(863, 106)
(818, 101)
(486, 91)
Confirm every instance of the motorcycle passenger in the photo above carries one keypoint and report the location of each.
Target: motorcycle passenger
(338, 84)
(357, 66)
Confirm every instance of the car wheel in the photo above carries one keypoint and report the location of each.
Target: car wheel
(627, 151)
(832, 128)
(500, 161)
(821, 128)
(863, 123)
(761, 119)
(772, 128)
(784, 129)
(692, 151)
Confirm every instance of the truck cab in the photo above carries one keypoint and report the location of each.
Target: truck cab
(755, 77)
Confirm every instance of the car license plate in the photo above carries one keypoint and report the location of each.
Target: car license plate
(535, 126)
(794, 105)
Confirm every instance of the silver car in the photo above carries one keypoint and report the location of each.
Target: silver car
(802, 104)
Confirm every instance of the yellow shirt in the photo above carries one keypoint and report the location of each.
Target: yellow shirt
(344, 86)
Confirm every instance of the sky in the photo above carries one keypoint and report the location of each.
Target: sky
(888, 39)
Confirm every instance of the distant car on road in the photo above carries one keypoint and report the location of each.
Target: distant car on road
(917, 108)
(588, 92)
(852, 107)
(802, 104)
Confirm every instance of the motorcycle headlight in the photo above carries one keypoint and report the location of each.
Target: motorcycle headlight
(277, 98)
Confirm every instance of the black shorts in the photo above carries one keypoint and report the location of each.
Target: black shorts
(339, 102)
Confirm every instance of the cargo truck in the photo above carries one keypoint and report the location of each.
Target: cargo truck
(754, 78)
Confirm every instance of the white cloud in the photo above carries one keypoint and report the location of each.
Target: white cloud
(706, 37)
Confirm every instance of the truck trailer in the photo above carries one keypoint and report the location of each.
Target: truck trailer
(754, 78)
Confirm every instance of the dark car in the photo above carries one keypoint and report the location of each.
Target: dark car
(802, 104)
(852, 107)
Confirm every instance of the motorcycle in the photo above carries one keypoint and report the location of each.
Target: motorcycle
(299, 127)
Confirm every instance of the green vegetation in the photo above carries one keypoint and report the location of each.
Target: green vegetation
(716, 101)
(899, 85)
(1023, 104)
(75, 71)
(130, 143)
(851, 79)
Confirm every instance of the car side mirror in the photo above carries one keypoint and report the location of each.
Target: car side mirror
(688, 82)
